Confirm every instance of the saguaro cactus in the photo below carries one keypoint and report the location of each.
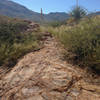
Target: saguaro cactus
(76, 3)
(41, 14)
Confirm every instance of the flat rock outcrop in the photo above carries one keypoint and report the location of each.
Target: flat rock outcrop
(43, 75)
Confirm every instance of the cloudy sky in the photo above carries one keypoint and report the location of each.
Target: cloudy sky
(59, 5)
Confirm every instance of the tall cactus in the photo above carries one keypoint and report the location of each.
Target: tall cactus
(41, 14)
(76, 3)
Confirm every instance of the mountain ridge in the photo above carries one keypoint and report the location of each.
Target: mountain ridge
(12, 9)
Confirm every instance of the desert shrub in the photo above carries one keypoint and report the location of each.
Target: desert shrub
(82, 40)
(56, 23)
(14, 42)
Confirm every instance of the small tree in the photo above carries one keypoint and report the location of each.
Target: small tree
(78, 12)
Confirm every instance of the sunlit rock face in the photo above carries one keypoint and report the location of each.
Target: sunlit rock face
(43, 75)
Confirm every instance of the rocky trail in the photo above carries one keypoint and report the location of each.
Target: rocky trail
(43, 75)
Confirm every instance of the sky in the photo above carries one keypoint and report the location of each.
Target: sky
(59, 5)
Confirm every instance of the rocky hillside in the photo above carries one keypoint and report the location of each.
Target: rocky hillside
(12, 9)
(43, 75)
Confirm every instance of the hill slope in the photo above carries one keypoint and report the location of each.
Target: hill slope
(94, 14)
(12, 9)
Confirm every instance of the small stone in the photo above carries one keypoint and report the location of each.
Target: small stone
(75, 92)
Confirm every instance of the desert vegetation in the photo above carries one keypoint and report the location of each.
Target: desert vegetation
(15, 41)
(78, 12)
(81, 42)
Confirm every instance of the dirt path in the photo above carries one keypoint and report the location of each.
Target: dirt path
(42, 75)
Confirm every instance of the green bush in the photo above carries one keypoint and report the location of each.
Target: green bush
(14, 42)
(83, 40)
(56, 23)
